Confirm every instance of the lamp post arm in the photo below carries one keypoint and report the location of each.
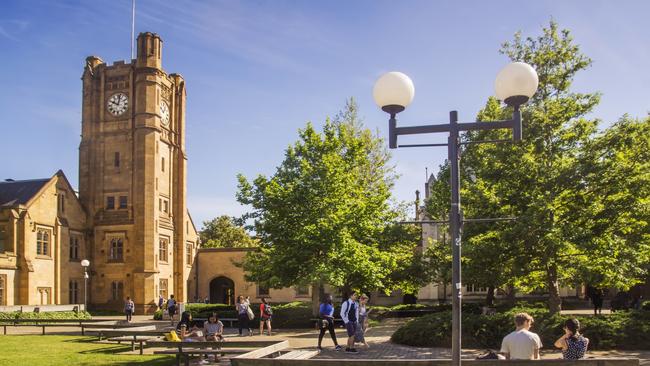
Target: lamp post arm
(514, 124)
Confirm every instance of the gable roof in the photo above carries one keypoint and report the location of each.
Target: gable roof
(19, 192)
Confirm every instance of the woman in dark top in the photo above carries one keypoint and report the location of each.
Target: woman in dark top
(326, 312)
(186, 331)
(572, 343)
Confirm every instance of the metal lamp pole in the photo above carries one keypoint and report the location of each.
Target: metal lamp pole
(85, 263)
(394, 91)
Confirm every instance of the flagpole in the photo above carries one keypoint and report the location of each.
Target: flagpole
(132, 27)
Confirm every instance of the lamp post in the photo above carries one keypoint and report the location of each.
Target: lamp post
(394, 91)
(85, 263)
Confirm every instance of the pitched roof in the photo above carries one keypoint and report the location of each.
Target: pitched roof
(19, 192)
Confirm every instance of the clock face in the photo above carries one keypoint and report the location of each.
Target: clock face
(164, 113)
(118, 104)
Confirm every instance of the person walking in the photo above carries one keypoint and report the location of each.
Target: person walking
(326, 314)
(597, 301)
(522, 344)
(360, 335)
(265, 316)
(350, 316)
(572, 343)
(242, 315)
(171, 308)
(161, 300)
(129, 308)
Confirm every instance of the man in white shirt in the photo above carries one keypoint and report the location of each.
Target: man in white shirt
(522, 344)
(350, 316)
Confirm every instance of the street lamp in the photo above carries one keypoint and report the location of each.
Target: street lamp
(85, 263)
(394, 91)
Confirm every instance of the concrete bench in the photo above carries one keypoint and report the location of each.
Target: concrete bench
(242, 361)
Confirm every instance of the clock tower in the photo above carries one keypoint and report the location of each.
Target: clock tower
(132, 180)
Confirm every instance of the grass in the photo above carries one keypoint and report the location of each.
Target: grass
(62, 350)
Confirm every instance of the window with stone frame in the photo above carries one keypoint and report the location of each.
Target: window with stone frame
(188, 253)
(45, 294)
(263, 291)
(74, 247)
(117, 290)
(4, 239)
(43, 237)
(162, 288)
(302, 291)
(61, 202)
(116, 250)
(163, 249)
(73, 292)
(110, 203)
(3, 290)
(123, 202)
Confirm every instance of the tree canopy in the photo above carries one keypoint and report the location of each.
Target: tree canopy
(565, 183)
(325, 215)
(225, 232)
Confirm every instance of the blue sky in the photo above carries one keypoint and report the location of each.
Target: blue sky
(256, 71)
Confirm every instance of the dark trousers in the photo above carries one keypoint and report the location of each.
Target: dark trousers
(243, 323)
(330, 327)
(129, 314)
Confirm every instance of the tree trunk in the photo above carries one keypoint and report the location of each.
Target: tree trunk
(315, 299)
(554, 300)
(489, 299)
(512, 295)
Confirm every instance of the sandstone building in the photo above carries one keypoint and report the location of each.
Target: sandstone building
(130, 217)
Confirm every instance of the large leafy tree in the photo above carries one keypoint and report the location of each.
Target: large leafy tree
(324, 216)
(225, 232)
(552, 182)
(614, 225)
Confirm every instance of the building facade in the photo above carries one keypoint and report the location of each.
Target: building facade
(130, 218)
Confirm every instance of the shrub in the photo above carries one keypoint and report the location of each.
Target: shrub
(65, 315)
(624, 330)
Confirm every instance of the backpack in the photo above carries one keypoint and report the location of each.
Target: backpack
(268, 310)
(172, 336)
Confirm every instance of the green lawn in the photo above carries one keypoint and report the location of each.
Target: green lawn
(70, 350)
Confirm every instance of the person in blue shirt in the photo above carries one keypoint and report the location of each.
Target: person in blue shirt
(326, 313)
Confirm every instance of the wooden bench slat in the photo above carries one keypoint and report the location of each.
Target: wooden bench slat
(298, 355)
(259, 353)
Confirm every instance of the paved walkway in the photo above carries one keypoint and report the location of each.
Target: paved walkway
(378, 338)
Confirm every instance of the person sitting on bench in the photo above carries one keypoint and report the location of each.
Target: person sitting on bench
(213, 328)
(187, 331)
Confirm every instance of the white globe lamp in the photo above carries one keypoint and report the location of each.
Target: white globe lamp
(516, 83)
(393, 92)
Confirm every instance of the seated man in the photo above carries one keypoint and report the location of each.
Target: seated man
(522, 344)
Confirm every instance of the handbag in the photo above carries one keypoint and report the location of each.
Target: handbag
(251, 315)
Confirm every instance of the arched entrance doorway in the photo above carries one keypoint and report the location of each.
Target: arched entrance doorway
(222, 291)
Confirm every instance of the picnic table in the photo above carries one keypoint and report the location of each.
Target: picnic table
(142, 330)
(184, 349)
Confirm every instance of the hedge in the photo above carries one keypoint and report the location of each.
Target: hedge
(621, 330)
(66, 315)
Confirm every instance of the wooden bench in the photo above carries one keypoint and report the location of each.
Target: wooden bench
(145, 330)
(266, 351)
(44, 323)
(237, 361)
(298, 355)
(183, 350)
(133, 339)
(223, 320)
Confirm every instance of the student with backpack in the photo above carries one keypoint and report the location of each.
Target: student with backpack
(129, 308)
(265, 316)
(350, 316)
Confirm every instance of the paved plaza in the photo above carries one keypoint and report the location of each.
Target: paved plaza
(378, 338)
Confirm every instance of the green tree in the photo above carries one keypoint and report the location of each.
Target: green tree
(324, 217)
(614, 225)
(225, 232)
